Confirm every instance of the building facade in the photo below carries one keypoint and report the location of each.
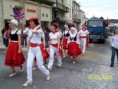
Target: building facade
(68, 16)
(83, 17)
(48, 11)
(76, 14)
(58, 13)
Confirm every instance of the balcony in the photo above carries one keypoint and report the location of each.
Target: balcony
(77, 20)
(49, 2)
(61, 7)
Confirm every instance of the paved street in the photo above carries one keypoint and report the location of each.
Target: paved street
(91, 71)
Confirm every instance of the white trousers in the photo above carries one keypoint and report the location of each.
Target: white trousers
(32, 53)
(83, 44)
(54, 50)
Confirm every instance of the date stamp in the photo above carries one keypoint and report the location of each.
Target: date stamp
(107, 77)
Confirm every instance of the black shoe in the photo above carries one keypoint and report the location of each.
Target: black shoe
(111, 65)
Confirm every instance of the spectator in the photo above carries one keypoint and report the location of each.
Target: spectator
(114, 46)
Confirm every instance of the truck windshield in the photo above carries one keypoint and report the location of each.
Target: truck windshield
(95, 23)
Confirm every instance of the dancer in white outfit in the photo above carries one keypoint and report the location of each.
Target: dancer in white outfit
(35, 51)
(83, 34)
(54, 47)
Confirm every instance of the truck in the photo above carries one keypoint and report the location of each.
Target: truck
(97, 29)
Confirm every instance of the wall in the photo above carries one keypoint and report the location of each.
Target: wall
(46, 13)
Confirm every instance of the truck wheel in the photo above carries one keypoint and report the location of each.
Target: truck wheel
(102, 41)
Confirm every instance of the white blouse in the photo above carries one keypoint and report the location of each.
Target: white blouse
(14, 31)
(65, 32)
(35, 38)
(54, 37)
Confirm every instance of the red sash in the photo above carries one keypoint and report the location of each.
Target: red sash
(60, 49)
(44, 52)
(55, 45)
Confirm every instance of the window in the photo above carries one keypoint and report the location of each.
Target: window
(43, 14)
(46, 15)
(95, 23)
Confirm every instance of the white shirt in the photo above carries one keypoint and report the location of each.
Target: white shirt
(114, 41)
(36, 38)
(83, 33)
(14, 31)
(54, 37)
(27, 30)
(65, 32)
(59, 34)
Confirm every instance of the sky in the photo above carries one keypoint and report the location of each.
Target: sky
(98, 8)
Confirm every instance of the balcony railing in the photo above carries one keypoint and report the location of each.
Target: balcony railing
(77, 20)
(62, 7)
(44, 1)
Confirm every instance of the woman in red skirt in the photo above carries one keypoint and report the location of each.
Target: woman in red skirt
(73, 44)
(14, 56)
(65, 39)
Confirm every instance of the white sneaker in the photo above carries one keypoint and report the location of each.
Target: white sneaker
(34, 68)
(13, 74)
(73, 62)
(27, 83)
(64, 56)
(59, 65)
(48, 77)
(21, 70)
(49, 69)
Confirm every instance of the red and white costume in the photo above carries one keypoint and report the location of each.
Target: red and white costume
(83, 33)
(73, 44)
(35, 50)
(65, 39)
(54, 49)
(13, 58)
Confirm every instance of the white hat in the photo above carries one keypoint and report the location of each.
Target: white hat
(73, 28)
(14, 22)
(66, 25)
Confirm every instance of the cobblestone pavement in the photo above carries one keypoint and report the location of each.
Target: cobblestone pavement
(91, 71)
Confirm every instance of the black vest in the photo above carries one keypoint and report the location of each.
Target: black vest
(14, 37)
(73, 38)
(67, 34)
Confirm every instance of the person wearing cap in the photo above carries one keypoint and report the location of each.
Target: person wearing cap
(14, 56)
(54, 47)
(65, 39)
(74, 44)
(72, 25)
(35, 50)
(83, 34)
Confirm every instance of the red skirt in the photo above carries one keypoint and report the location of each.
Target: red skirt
(64, 43)
(73, 49)
(13, 58)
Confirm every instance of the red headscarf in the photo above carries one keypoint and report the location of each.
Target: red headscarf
(56, 26)
(72, 25)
